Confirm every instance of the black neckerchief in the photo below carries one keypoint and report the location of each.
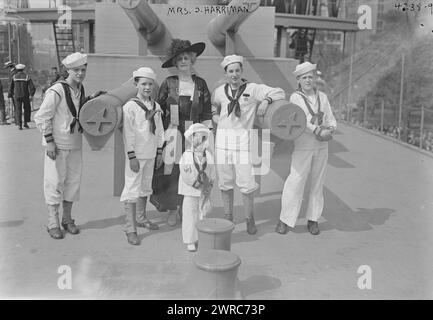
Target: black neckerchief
(201, 179)
(234, 101)
(319, 114)
(71, 105)
(150, 114)
(197, 166)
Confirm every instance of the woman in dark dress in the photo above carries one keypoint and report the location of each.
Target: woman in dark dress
(185, 99)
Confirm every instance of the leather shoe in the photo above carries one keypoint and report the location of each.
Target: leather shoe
(148, 224)
(26, 126)
(55, 233)
(251, 226)
(313, 227)
(71, 227)
(282, 228)
(133, 238)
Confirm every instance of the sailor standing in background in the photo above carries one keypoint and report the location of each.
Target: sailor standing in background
(21, 90)
(310, 154)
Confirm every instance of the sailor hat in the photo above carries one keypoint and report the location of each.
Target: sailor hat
(304, 68)
(20, 66)
(232, 59)
(75, 60)
(144, 72)
(195, 128)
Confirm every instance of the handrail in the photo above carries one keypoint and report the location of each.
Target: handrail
(359, 76)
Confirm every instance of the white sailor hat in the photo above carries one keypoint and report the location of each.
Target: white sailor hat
(75, 60)
(304, 68)
(20, 66)
(144, 72)
(232, 59)
(8, 64)
(194, 128)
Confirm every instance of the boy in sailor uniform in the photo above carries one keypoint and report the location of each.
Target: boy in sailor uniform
(234, 106)
(143, 135)
(197, 173)
(58, 120)
(310, 154)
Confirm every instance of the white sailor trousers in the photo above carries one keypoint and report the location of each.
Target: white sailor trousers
(138, 184)
(194, 209)
(62, 177)
(303, 163)
(234, 167)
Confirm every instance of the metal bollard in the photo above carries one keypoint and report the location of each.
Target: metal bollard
(214, 233)
(216, 276)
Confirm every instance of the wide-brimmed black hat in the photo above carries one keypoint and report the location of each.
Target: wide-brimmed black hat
(179, 46)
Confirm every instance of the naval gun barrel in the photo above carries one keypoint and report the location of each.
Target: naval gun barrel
(229, 21)
(285, 120)
(144, 20)
(99, 117)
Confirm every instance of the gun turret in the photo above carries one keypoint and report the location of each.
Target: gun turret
(144, 20)
(235, 13)
(100, 116)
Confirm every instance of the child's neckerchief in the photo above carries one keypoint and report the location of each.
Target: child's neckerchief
(71, 106)
(202, 178)
(234, 101)
(150, 114)
(319, 114)
(197, 166)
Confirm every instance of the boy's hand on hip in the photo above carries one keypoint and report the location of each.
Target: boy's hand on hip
(134, 165)
(51, 150)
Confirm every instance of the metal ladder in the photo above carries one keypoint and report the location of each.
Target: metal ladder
(64, 39)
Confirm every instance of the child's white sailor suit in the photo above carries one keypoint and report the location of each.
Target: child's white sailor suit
(62, 176)
(142, 143)
(196, 205)
(232, 146)
(309, 156)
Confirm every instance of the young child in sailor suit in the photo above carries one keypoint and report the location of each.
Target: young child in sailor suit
(197, 173)
(143, 135)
